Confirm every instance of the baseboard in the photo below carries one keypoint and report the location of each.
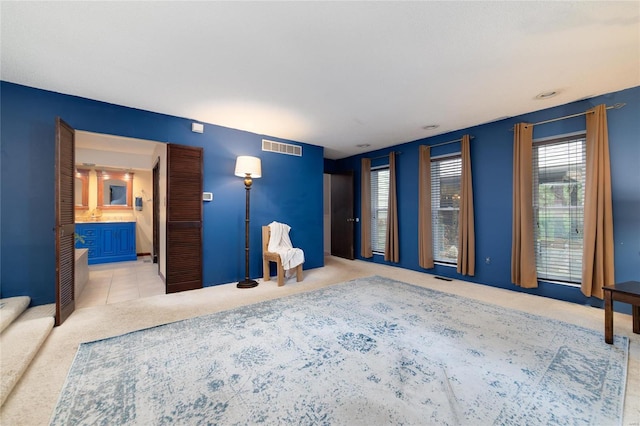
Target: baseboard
(143, 254)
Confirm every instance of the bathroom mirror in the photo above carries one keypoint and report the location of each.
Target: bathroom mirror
(81, 189)
(114, 189)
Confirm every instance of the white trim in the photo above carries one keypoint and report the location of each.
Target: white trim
(451, 154)
(565, 135)
(565, 283)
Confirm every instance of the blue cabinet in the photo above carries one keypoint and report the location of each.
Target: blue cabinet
(108, 241)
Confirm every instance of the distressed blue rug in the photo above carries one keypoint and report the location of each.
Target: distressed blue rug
(370, 351)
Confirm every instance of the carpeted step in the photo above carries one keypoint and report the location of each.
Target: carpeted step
(11, 308)
(20, 343)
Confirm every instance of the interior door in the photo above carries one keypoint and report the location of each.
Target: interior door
(156, 213)
(65, 226)
(184, 218)
(342, 219)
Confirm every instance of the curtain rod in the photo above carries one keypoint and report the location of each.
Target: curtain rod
(615, 106)
(430, 146)
(448, 142)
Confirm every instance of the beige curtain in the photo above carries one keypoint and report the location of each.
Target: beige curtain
(365, 209)
(466, 231)
(391, 249)
(523, 259)
(425, 232)
(597, 258)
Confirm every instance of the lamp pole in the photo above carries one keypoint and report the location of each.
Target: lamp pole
(247, 282)
(249, 168)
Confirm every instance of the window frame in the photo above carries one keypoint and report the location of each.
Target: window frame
(379, 248)
(450, 156)
(547, 141)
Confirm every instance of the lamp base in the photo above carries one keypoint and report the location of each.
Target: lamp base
(247, 284)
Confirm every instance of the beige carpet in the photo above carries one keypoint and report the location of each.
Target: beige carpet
(35, 396)
(11, 308)
(20, 342)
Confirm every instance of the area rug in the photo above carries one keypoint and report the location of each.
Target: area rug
(369, 351)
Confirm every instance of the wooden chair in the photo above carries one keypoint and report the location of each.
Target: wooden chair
(268, 256)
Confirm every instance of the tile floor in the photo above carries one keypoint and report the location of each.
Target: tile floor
(119, 281)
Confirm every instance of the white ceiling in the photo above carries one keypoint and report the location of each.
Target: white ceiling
(100, 150)
(102, 142)
(334, 74)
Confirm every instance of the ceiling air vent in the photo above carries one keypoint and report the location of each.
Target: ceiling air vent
(281, 148)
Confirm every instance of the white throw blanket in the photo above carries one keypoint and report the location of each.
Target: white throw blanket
(280, 243)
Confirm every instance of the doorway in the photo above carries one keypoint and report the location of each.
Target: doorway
(326, 188)
(339, 190)
(156, 214)
(120, 281)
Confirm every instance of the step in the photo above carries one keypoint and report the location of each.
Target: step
(11, 308)
(20, 343)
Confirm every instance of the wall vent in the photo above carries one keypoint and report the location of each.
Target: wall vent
(281, 148)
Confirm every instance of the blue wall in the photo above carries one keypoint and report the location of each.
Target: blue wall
(290, 190)
(491, 156)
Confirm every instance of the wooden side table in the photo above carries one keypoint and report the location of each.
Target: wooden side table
(627, 292)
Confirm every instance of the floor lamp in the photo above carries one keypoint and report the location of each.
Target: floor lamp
(248, 168)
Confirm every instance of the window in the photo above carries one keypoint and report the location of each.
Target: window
(558, 207)
(379, 204)
(445, 205)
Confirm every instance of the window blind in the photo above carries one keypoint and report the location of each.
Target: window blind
(445, 205)
(379, 204)
(558, 205)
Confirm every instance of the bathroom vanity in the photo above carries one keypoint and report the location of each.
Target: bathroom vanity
(107, 241)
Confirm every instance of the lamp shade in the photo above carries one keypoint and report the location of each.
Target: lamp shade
(246, 165)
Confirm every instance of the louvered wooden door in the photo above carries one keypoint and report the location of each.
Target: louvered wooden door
(65, 227)
(184, 218)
